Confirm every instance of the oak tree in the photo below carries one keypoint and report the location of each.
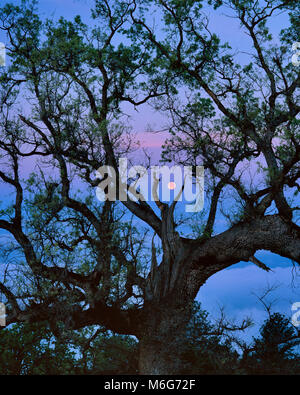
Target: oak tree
(76, 262)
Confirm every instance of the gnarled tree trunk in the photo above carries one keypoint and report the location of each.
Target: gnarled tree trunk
(162, 340)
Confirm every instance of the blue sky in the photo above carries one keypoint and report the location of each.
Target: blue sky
(234, 287)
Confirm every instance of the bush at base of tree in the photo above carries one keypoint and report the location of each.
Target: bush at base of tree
(32, 349)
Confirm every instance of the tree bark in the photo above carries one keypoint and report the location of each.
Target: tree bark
(162, 340)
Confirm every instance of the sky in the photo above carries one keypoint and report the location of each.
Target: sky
(236, 288)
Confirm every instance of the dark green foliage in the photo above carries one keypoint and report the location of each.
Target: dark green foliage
(31, 349)
(275, 351)
(111, 354)
(27, 349)
(207, 352)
